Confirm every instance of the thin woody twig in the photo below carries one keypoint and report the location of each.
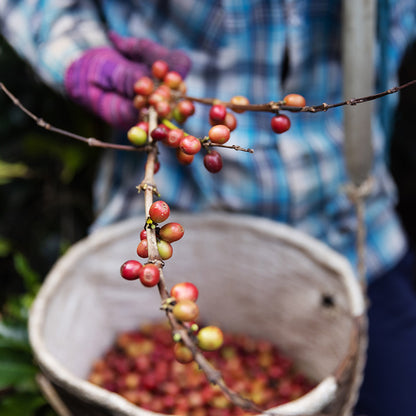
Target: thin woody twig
(275, 106)
(90, 141)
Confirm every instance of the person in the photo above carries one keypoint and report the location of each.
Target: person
(94, 50)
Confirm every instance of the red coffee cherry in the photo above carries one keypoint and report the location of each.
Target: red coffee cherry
(183, 157)
(280, 123)
(174, 138)
(142, 249)
(184, 291)
(160, 132)
(213, 161)
(144, 86)
(173, 80)
(217, 113)
(190, 145)
(159, 211)
(230, 121)
(219, 134)
(160, 69)
(149, 275)
(171, 232)
(186, 108)
(129, 270)
(143, 234)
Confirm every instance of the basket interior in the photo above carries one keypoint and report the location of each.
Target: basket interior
(254, 277)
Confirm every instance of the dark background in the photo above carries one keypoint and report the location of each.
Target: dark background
(48, 206)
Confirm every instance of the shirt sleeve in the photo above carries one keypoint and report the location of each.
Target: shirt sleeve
(51, 34)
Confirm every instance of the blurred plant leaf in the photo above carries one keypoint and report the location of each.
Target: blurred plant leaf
(9, 171)
(72, 156)
(30, 278)
(21, 404)
(5, 247)
(13, 336)
(16, 370)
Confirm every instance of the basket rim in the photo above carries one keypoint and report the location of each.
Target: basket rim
(311, 402)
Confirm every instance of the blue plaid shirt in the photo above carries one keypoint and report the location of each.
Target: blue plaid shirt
(238, 47)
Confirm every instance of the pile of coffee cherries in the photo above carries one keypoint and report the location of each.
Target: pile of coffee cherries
(142, 368)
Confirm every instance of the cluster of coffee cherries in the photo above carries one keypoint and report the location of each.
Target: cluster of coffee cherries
(149, 273)
(183, 296)
(281, 122)
(185, 309)
(164, 91)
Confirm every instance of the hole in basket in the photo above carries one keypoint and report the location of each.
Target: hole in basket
(327, 300)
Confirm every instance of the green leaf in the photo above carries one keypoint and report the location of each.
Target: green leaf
(9, 171)
(30, 277)
(14, 336)
(16, 370)
(5, 247)
(23, 404)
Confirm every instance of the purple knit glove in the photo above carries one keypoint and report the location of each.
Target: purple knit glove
(102, 79)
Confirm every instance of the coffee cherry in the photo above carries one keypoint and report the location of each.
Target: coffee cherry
(295, 100)
(149, 275)
(172, 79)
(213, 161)
(160, 133)
(183, 157)
(160, 69)
(190, 145)
(239, 100)
(171, 232)
(219, 134)
(217, 113)
(210, 338)
(174, 138)
(163, 108)
(129, 270)
(184, 291)
(155, 98)
(143, 125)
(142, 249)
(139, 101)
(185, 310)
(165, 249)
(157, 167)
(143, 234)
(159, 211)
(182, 353)
(230, 121)
(186, 107)
(137, 136)
(144, 86)
(164, 91)
(178, 116)
(280, 123)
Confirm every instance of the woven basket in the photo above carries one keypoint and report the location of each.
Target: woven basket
(255, 276)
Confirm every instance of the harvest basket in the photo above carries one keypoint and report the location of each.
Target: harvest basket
(255, 276)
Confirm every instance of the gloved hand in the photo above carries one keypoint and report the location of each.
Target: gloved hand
(102, 78)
